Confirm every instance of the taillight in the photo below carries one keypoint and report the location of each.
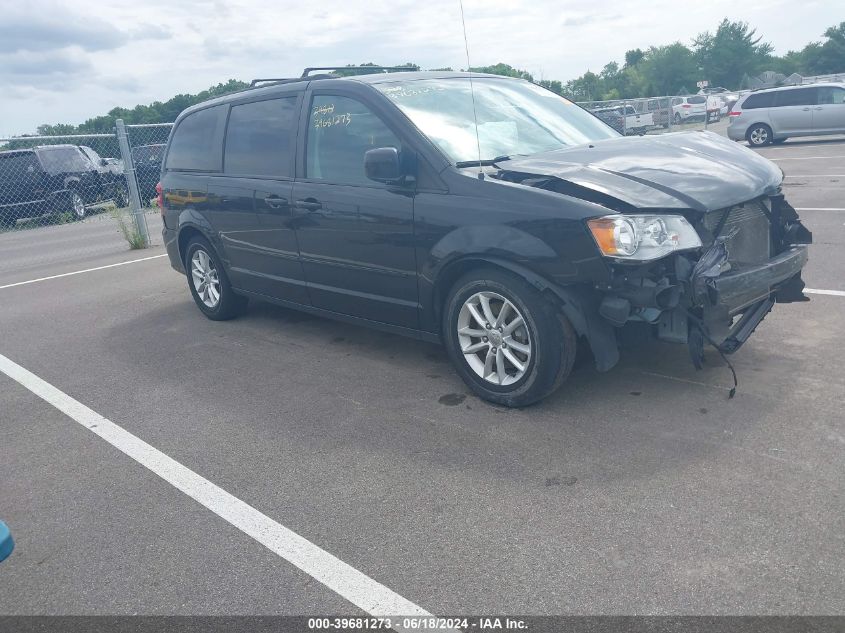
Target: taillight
(686, 105)
(735, 113)
(159, 198)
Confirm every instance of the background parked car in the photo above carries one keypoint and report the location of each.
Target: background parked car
(52, 180)
(773, 115)
(660, 110)
(691, 108)
(625, 119)
(147, 161)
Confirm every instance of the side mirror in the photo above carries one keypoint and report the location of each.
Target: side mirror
(382, 165)
(103, 162)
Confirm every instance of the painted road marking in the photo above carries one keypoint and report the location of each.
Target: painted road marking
(79, 272)
(833, 293)
(806, 157)
(817, 176)
(353, 585)
(820, 208)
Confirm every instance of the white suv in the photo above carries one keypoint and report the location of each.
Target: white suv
(689, 108)
(771, 116)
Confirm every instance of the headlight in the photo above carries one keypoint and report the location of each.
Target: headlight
(642, 237)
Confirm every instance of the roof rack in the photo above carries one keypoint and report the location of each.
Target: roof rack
(275, 80)
(306, 74)
(309, 70)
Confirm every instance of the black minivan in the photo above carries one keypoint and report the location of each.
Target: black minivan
(492, 215)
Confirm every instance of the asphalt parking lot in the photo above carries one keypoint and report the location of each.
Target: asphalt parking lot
(644, 490)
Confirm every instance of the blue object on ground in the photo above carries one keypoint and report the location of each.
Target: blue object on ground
(6, 542)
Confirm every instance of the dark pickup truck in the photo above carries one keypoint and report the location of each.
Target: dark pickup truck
(51, 180)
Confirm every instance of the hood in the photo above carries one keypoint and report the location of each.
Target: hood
(686, 170)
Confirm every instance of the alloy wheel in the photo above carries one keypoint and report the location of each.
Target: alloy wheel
(759, 136)
(205, 279)
(78, 205)
(494, 338)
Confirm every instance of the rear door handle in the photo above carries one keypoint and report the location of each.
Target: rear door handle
(806, 109)
(308, 205)
(276, 202)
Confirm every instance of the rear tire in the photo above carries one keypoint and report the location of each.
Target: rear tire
(75, 205)
(759, 135)
(525, 354)
(209, 284)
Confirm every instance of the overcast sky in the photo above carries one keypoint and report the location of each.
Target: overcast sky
(62, 62)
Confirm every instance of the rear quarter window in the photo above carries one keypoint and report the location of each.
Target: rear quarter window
(760, 100)
(197, 142)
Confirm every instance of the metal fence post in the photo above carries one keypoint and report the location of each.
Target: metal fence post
(625, 118)
(129, 172)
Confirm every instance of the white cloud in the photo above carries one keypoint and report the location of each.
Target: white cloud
(70, 61)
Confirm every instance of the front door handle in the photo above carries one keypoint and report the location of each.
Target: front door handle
(275, 202)
(309, 204)
(806, 109)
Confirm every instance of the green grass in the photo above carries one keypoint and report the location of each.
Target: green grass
(128, 229)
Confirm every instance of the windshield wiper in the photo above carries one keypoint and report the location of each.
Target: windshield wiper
(486, 162)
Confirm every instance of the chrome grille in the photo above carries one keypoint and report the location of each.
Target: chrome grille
(749, 231)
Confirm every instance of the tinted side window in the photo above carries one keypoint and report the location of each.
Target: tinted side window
(340, 131)
(259, 138)
(761, 100)
(800, 97)
(829, 94)
(197, 142)
(14, 166)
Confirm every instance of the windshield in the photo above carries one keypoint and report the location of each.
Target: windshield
(515, 117)
(57, 160)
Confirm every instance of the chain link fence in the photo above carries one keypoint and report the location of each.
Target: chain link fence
(92, 192)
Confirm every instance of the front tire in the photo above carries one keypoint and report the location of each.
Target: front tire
(209, 284)
(76, 205)
(759, 135)
(509, 344)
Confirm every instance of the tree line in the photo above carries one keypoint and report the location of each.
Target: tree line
(728, 57)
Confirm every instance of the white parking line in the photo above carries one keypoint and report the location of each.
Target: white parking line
(79, 272)
(833, 293)
(820, 208)
(805, 157)
(817, 176)
(353, 585)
